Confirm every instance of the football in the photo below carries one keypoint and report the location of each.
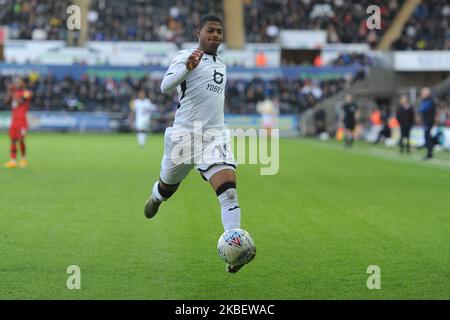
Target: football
(236, 247)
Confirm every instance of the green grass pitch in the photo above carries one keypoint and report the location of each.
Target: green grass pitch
(318, 224)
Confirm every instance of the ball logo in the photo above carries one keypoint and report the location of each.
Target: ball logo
(234, 240)
(218, 77)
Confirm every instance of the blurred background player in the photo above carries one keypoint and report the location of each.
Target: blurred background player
(143, 108)
(405, 117)
(269, 112)
(427, 109)
(19, 98)
(350, 115)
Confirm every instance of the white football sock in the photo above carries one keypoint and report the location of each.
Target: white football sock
(155, 193)
(142, 138)
(231, 213)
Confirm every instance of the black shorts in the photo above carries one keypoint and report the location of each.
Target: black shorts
(349, 125)
(405, 131)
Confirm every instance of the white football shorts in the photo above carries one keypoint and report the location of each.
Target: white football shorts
(142, 124)
(209, 152)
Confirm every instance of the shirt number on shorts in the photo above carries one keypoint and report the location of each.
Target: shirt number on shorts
(222, 150)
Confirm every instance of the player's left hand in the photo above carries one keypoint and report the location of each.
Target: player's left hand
(194, 59)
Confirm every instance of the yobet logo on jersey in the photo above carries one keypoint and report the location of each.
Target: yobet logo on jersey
(218, 78)
(210, 146)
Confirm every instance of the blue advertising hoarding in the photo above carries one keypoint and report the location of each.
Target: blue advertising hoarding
(65, 121)
(103, 72)
(108, 122)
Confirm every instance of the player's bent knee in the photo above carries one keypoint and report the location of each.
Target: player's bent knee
(226, 187)
(226, 171)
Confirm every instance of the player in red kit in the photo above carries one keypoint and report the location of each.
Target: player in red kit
(19, 98)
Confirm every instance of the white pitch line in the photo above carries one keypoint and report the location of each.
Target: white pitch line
(393, 156)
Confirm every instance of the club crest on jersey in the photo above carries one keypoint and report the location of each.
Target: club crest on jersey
(218, 77)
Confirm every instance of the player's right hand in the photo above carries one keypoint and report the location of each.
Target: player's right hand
(194, 59)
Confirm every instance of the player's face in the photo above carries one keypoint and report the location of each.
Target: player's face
(425, 93)
(19, 83)
(348, 99)
(403, 100)
(211, 36)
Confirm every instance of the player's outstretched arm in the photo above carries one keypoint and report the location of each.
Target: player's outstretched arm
(178, 71)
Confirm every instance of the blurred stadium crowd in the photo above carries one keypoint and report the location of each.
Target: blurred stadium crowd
(88, 94)
(292, 96)
(109, 20)
(95, 94)
(174, 20)
(428, 28)
(344, 21)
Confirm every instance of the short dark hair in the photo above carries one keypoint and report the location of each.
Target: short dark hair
(209, 17)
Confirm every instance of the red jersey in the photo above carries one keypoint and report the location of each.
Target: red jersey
(21, 99)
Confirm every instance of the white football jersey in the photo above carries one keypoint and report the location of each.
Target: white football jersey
(143, 109)
(201, 94)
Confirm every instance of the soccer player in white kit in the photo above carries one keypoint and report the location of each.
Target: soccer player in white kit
(143, 109)
(200, 77)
